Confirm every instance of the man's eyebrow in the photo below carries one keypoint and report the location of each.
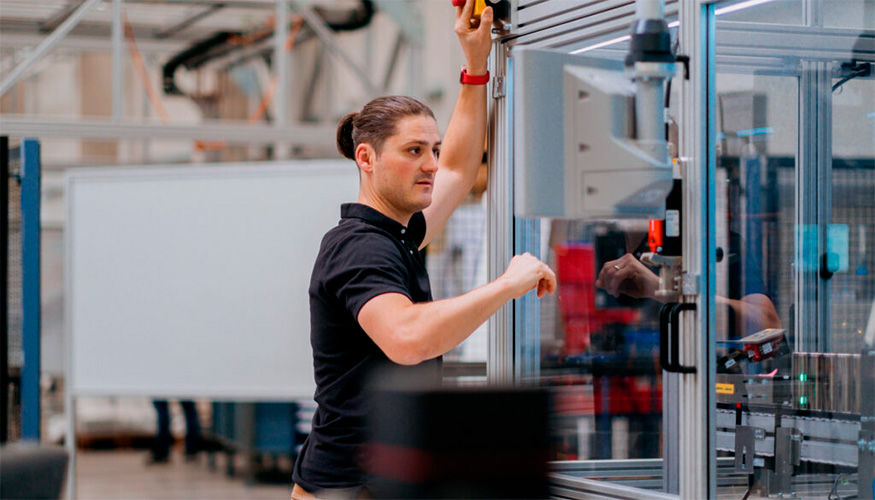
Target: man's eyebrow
(419, 141)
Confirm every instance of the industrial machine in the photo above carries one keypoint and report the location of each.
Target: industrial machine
(789, 421)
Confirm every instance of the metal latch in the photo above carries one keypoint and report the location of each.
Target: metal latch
(498, 90)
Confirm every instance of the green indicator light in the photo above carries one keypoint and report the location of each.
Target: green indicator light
(803, 400)
(803, 377)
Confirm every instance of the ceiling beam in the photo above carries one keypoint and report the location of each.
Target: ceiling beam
(300, 134)
(188, 21)
(60, 16)
(46, 45)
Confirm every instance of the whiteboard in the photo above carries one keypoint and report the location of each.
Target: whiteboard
(193, 281)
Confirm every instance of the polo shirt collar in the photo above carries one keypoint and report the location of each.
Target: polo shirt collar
(372, 216)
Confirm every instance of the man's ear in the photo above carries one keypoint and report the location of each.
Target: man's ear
(365, 156)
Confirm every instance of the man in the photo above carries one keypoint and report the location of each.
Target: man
(370, 298)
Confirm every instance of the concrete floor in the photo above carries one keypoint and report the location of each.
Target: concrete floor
(124, 475)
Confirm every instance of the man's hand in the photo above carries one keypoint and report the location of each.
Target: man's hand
(525, 272)
(628, 276)
(476, 42)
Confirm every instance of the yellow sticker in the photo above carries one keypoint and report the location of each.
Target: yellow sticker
(725, 388)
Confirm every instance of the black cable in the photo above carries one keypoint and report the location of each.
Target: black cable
(864, 71)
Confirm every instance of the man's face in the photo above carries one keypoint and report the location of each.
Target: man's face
(404, 171)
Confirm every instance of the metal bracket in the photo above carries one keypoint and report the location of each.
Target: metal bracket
(788, 450)
(745, 449)
(690, 284)
(498, 90)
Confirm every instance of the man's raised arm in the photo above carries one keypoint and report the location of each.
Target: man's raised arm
(463, 142)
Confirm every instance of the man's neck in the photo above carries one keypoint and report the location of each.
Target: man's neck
(386, 209)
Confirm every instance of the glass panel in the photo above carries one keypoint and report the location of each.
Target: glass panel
(852, 14)
(774, 11)
(851, 232)
(795, 225)
(597, 352)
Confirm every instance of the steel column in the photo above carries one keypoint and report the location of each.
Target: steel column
(46, 45)
(280, 66)
(30, 296)
(117, 60)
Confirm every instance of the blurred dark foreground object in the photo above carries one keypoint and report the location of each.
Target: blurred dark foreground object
(456, 442)
(31, 471)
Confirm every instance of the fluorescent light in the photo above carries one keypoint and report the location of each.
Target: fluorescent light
(739, 6)
(674, 24)
(603, 44)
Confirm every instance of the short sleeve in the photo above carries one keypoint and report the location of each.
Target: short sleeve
(364, 266)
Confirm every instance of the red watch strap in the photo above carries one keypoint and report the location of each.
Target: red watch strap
(465, 78)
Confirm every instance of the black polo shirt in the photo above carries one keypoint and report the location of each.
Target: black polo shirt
(367, 254)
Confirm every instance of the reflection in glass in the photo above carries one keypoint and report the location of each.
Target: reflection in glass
(599, 352)
(795, 225)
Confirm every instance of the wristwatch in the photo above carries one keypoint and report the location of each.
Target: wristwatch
(467, 79)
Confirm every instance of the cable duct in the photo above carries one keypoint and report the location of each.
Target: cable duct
(223, 43)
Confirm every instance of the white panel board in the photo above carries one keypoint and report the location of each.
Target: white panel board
(192, 281)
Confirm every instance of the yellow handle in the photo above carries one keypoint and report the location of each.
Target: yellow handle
(479, 5)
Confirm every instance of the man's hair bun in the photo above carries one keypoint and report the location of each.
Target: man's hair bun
(345, 141)
(376, 122)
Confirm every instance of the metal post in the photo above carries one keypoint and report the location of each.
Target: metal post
(30, 267)
(499, 216)
(280, 64)
(117, 60)
(813, 197)
(696, 432)
(46, 45)
(4, 329)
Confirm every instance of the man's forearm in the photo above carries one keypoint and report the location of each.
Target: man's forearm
(753, 313)
(430, 329)
(463, 143)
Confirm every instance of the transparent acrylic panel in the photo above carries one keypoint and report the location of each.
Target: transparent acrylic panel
(597, 352)
(851, 231)
(854, 14)
(795, 225)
